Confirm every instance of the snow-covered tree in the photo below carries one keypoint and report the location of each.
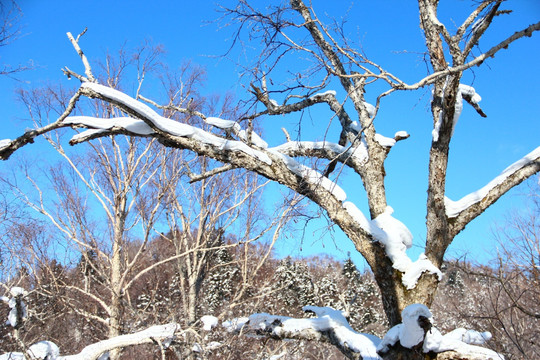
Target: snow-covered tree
(294, 284)
(295, 29)
(221, 280)
(349, 270)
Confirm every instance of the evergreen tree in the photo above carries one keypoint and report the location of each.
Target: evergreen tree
(221, 281)
(296, 288)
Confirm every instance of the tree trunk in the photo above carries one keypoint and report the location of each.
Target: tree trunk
(117, 313)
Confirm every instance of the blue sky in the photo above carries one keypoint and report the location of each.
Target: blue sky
(389, 34)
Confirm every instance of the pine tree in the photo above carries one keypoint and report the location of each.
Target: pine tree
(350, 271)
(294, 281)
(220, 283)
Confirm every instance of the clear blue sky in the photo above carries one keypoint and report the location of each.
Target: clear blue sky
(481, 147)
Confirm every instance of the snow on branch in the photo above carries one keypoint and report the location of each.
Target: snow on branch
(41, 350)
(329, 325)
(417, 331)
(464, 92)
(495, 188)
(237, 130)
(49, 350)
(155, 333)
(354, 156)
(312, 176)
(159, 124)
(18, 311)
(396, 239)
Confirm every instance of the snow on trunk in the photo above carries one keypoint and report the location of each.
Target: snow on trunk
(396, 238)
(467, 90)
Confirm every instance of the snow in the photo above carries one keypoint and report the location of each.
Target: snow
(395, 230)
(329, 92)
(12, 356)
(153, 333)
(401, 134)
(469, 90)
(390, 338)
(360, 152)
(436, 129)
(462, 89)
(14, 312)
(312, 176)
(220, 123)
(415, 269)
(235, 324)
(472, 337)
(5, 143)
(44, 349)
(16, 291)
(209, 322)
(133, 125)
(384, 141)
(396, 238)
(436, 342)
(170, 126)
(213, 345)
(370, 109)
(278, 356)
(454, 208)
(41, 350)
(233, 125)
(355, 126)
(197, 348)
(255, 138)
(86, 134)
(410, 334)
(371, 112)
(327, 319)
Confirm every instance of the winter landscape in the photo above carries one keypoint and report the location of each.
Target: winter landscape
(285, 180)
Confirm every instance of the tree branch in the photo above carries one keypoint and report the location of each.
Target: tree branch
(147, 336)
(469, 207)
(8, 147)
(75, 43)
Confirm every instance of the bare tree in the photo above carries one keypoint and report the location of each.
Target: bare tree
(10, 15)
(379, 237)
(512, 307)
(110, 201)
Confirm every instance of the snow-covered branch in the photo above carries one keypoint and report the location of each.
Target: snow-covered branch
(416, 333)
(353, 156)
(50, 351)
(157, 333)
(473, 204)
(166, 128)
(152, 124)
(8, 146)
(396, 239)
(329, 325)
(18, 311)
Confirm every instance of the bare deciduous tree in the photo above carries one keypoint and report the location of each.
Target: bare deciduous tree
(10, 14)
(379, 237)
